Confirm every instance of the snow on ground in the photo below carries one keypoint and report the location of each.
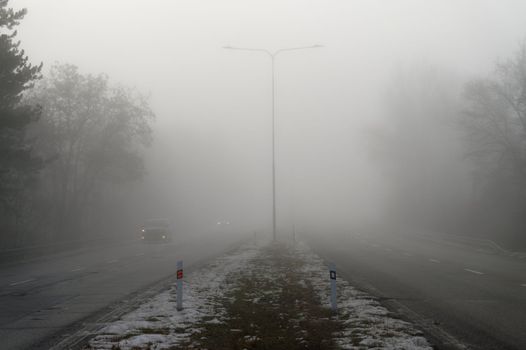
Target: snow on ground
(158, 325)
(367, 323)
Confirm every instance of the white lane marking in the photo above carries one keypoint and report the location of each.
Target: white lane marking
(434, 261)
(140, 254)
(408, 254)
(112, 261)
(388, 249)
(474, 271)
(22, 282)
(77, 269)
(523, 285)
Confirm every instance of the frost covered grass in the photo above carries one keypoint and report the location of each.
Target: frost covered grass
(273, 297)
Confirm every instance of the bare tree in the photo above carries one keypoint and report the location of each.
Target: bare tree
(92, 135)
(495, 125)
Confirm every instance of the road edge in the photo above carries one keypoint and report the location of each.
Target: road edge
(76, 335)
(439, 338)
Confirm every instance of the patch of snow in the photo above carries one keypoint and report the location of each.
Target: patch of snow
(157, 324)
(214, 321)
(363, 317)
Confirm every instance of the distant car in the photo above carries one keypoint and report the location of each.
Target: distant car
(157, 230)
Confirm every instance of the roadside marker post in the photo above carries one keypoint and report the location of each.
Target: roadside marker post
(179, 285)
(332, 275)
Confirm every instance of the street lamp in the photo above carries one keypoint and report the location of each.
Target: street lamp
(272, 56)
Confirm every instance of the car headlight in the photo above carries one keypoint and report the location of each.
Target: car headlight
(164, 237)
(143, 230)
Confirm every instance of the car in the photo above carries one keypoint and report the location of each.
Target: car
(157, 230)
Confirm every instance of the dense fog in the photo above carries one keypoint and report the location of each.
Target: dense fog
(371, 127)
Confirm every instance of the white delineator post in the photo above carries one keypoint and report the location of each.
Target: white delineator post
(179, 285)
(332, 275)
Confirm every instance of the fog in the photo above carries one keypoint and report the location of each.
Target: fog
(366, 125)
(327, 174)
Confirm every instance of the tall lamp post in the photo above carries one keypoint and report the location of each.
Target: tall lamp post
(272, 56)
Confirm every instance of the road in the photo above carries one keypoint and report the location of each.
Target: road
(456, 293)
(42, 298)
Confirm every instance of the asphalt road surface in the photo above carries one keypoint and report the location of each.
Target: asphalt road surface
(40, 299)
(459, 295)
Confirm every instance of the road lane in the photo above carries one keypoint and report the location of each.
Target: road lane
(41, 298)
(472, 295)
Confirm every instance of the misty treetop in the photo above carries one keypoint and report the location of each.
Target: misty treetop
(496, 117)
(91, 135)
(16, 74)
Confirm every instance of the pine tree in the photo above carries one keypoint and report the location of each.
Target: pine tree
(18, 165)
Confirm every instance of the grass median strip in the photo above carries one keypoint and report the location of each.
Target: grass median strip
(271, 297)
(269, 307)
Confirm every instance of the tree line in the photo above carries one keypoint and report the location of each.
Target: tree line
(69, 142)
(454, 152)
(494, 122)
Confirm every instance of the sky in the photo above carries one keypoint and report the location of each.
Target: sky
(211, 156)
